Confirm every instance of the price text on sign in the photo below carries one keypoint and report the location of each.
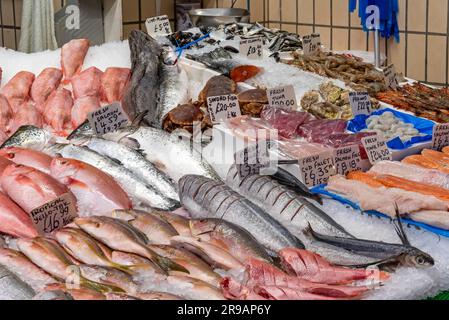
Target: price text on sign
(222, 108)
(108, 119)
(311, 43)
(391, 77)
(360, 103)
(54, 215)
(347, 159)
(316, 170)
(252, 48)
(282, 97)
(158, 26)
(377, 149)
(440, 136)
(251, 160)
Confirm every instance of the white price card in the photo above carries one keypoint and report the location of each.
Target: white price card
(440, 137)
(360, 103)
(252, 159)
(54, 215)
(391, 77)
(108, 119)
(158, 26)
(222, 108)
(311, 43)
(252, 48)
(347, 159)
(377, 149)
(316, 170)
(282, 97)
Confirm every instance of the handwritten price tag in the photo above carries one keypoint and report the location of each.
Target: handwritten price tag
(347, 159)
(311, 44)
(316, 170)
(377, 149)
(158, 26)
(282, 97)
(252, 159)
(54, 215)
(391, 77)
(222, 108)
(252, 48)
(360, 103)
(440, 136)
(108, 119)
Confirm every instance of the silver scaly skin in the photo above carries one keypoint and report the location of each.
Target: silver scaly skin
(12, 288)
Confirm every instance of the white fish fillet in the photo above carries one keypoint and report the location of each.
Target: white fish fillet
(382, 199)
(439, 219)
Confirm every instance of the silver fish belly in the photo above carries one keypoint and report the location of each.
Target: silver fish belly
(12, 288)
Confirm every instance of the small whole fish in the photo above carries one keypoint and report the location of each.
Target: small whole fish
(29, 137)
(118, 280)
(178, 222)
(28, 157)
(205, 198)
(12, 288)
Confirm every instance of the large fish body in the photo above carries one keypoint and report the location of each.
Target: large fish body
(169, 154)
(205, 198)
(12, 288)
(137, 189)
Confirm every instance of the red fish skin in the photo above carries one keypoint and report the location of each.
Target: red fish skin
(14, 221)
(113, 84)
(47, 82)
(87, 83)
(288, 294)
(243, 73)
(17, 90)
(58, 110)
(3, 136)
(27, 114)
(31, 188)
(6, 113)
(81, 109)
(27, 157)
(73, 54)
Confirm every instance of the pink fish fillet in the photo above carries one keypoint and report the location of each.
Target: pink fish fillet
(58, 110)
(113, 84)
(31, 188)
(314, 268)
(3, 136)
(6, 113)
(382, 199)
(288, 294)
(81, 109)
(14, 221)
(87, 83)
(97, 192)
(17, 90)
(27, 157)
(27, 114)
(73, 54)
(439, 219)
(47, 82)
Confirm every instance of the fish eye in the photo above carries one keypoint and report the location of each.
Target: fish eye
(421, 260)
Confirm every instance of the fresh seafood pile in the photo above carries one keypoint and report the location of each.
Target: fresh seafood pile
(330, 102)
(59, 99)
(353, 71)
(421, 100)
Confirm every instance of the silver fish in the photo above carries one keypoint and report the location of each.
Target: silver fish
(134, 186)
(29, 137)
(12, 288)
(205, 198)
(54, 295)
(135, 162)
(169, 154)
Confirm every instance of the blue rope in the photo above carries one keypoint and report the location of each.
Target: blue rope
(192, 43)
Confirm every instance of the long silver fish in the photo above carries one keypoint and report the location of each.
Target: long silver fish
(319, 232)
(169, 154)
(134, 161)
(205, 198)
(141, 192)
(142, 93)
(12, 288)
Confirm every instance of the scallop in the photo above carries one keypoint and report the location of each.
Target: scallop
(381, 127)
(411, 132)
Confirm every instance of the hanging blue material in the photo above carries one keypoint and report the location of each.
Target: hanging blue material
(388, 22)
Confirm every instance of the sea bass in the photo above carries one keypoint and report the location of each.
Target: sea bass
(205, 198)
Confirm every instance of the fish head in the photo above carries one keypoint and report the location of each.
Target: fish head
(29, 137)
(199, 227)
(416, 258)
(90, 225)
(16, 170)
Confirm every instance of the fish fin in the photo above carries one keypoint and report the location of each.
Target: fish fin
(99, 287)
(130, 143)
(288, 180)
(399, 227)
(137, 121)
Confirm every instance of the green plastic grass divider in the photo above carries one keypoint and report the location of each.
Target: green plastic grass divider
(442, 297)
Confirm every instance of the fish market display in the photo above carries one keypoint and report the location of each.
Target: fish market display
(72, 57)
(12, 288)
(253, 101)
(358, 75)
(420, 100)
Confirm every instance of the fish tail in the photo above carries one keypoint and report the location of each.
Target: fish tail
(99, 287)
(166, 264)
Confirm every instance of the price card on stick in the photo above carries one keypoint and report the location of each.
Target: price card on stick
(391, 77)
(360, 103)
(347, 159)
(311, 44)
(108, 119)
(316, 170)
(222, 108)
(252, 48)
(282, 97)
(158, 26)
(54, 215)
(377, 149)
(440, 136)
(253, 159)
